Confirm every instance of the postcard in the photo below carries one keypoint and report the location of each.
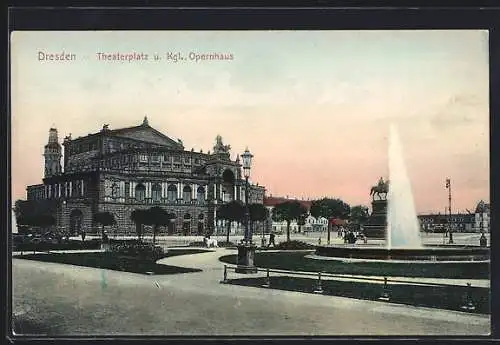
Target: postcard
(250, 183)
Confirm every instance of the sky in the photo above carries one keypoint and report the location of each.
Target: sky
(313, 107)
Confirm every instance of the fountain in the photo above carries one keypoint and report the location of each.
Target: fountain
(403, 228)
(394, 216)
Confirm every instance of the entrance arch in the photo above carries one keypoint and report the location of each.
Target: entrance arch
(201, 227)
(171, 226)
(186, 225)
(75, 221)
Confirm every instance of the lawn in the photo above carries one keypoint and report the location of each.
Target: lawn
(114, 262)
(296, 261)
(65, 245)
(442, 297)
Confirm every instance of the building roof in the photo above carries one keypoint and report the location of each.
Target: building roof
(272, 201)
(337, 221)
(143, 132)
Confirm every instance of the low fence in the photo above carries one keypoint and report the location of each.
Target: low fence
(318, 277)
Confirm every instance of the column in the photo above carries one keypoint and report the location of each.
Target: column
(215, 219)
(81, 189)
(132, 189)
(163, 189)
(70, 188)
(220, 191)
(193, 191)
(215, 189)
(148, 189)
(206, 192)
(179, 190)
(122, 191)
(234, 192)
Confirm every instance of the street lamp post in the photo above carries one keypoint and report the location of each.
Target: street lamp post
(248, 235)
(450, 233)
(246, 249)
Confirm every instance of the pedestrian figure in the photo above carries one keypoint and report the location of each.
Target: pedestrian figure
(483, 241)
(271, 239)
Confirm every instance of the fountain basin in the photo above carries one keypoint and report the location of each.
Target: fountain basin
(448, 253)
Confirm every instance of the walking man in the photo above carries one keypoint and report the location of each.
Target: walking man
(271, 240)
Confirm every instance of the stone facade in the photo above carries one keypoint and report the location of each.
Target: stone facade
(138, 167)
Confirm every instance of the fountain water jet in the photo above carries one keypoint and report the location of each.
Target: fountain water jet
(403, 229)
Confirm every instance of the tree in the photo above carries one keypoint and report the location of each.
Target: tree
(289, 211)
(35, 213)
(158, 217)
(18, 208)
(258, 213)
(105, 219)
(301, 222)
(39, 220)
(233, 211)
(359, 215)
(330, 208)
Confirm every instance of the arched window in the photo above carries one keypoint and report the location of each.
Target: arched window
(172, 192)
(200, 196)
(156, 192)
(186, 193)
(140, 192)
(114, 190)
(75, 188)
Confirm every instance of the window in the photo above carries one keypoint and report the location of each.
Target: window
(143, 158)
(187, 160)
(115, 190)
(156, 192)
(155, 158)
(186, 194)
(197, 161)
(177, 159)
(172, 192)
(166, 158)
(127, 188)
(200, 194)
(75, 188)
(140, 192)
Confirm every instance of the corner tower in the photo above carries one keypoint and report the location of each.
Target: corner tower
(52, 154)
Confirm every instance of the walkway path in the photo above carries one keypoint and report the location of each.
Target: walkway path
(64, 299)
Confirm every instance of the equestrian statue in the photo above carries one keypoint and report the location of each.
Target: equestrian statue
(382, 188)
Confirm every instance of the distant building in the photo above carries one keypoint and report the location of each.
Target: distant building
(138, 167)
(459, 222)
(482, 217)
(271, 201)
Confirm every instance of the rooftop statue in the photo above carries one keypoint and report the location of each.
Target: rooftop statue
(220, 147)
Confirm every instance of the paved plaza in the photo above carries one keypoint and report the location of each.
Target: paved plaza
(311, 238)
(58, 299)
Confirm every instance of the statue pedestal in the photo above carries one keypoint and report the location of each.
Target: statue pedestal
(377, 223)
(246, 256)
